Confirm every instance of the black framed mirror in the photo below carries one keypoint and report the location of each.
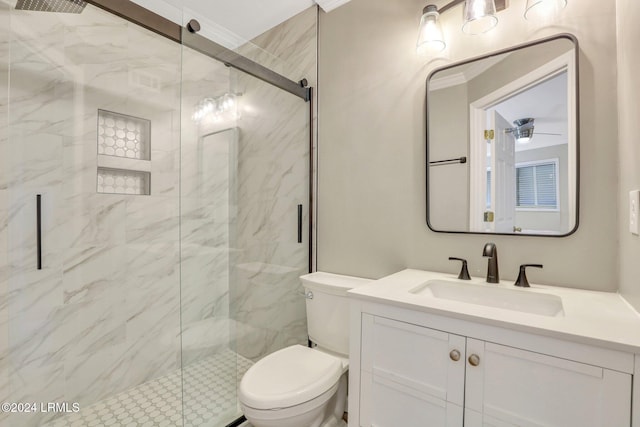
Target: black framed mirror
(503, 142)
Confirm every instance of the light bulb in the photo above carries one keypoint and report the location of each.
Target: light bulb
(430, 38)
(479, 16)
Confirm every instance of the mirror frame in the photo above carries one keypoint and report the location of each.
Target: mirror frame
(567, 36)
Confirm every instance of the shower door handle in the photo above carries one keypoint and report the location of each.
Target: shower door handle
(299, 223)
(39, 230)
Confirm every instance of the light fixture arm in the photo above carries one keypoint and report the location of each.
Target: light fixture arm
(449, 5)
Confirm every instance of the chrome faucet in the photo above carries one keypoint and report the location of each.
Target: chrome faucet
(490, 250)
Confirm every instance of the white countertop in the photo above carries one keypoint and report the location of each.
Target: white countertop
(597, 318)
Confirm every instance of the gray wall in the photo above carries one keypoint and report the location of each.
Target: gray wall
(629, 149)
(371, 217)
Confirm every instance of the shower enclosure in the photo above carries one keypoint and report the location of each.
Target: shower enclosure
(154, 214)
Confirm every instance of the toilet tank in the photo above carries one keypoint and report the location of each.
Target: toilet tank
(328, 309)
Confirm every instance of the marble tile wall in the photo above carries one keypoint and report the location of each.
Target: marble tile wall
(103, 314)
(273, 178)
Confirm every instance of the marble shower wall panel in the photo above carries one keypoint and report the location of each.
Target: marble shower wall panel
(104, 314)
(40, 93)
(263, 328)
(273, 178)
(289, 48)
(204, 283)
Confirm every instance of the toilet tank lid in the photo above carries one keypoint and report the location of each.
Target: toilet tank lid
(289, 377)
(332, 283)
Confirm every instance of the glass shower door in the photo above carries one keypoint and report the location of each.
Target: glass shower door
(91, 301)
(245, 173)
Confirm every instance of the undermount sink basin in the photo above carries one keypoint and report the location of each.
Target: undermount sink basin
(490, 296)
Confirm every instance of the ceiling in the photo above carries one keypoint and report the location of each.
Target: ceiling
(546, 102)
(241, 20)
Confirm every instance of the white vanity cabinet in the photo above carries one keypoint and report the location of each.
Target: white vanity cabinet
(513, 387)
(409, 374)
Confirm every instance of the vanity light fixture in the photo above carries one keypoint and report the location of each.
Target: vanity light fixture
(216, 107)
(430, 38)
(479, 17)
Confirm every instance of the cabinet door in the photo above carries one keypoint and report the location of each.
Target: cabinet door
(410, 375)
(513, 387)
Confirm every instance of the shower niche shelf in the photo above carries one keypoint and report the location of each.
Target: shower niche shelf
(123, 136)
(122, 181)
(124, 154)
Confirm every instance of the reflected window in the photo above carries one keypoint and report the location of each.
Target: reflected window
(537, 185)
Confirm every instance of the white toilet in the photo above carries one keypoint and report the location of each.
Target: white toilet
(300, 386)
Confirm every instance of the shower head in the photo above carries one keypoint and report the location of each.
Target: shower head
(59, 6)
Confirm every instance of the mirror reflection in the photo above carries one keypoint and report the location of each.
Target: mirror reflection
(502, 142)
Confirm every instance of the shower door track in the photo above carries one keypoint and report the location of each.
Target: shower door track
(137, 14)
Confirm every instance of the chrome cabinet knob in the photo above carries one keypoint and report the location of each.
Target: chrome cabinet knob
(454, 355)
(474, 360)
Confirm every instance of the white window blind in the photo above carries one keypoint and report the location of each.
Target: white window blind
(537, 185)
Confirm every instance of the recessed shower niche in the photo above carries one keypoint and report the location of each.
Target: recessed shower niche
(122, 181)
(124, 154)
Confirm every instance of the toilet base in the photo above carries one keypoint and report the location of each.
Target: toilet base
(334, 422)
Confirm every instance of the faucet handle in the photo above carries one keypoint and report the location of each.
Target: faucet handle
(522, 276)
(464, 273)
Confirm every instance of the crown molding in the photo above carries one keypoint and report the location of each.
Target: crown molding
(329, 5)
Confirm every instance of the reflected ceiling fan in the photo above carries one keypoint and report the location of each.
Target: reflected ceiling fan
(523, 130)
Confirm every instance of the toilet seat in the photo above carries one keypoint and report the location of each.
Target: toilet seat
(289, 377)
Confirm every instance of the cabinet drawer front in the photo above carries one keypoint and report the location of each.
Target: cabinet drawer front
(415, 357)
(392, 404)
(521, 388)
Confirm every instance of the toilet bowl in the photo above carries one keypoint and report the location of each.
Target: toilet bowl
(300, 386)
(294, 387)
